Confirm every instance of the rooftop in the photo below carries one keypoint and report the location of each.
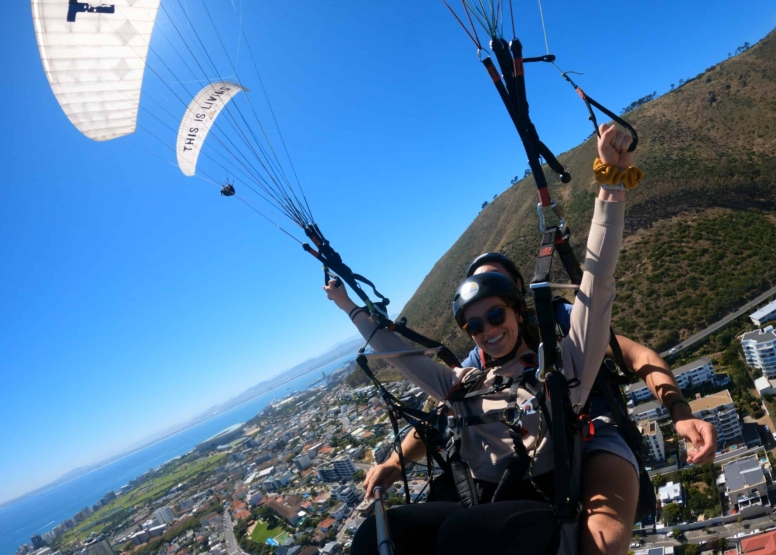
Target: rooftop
(763, 544)
(644, 407)
(760, 336)
(743, 473)
(764, 311)
(711, 401)
(691, 366)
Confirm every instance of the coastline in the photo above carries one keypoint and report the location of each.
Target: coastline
(102, 464)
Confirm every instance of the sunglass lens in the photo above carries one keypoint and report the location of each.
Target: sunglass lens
(497, 316)
(474, 327)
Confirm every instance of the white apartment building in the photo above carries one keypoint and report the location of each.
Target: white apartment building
(696, 373)
(164, 515)
(718, 409)
(651, 411)
(758, 350)
(764, 314)
(654, 438)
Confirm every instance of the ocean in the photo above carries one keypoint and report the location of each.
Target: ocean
(40, 513)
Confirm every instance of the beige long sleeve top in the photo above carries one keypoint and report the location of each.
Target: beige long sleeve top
(488, 447)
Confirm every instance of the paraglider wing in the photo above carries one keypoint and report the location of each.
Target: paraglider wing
(198, 119)
(94, 55)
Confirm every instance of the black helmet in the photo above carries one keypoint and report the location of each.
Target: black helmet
(481, 286)
(498, 258)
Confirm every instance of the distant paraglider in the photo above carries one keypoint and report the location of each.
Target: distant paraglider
(228, 189)
(199, 117)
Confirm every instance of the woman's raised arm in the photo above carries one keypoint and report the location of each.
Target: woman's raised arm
(433, 378)
(584, 348)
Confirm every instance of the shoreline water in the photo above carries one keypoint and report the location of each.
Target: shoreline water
(43, 510)
(124, 455)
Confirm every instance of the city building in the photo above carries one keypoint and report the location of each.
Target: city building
(718, 409)
(654, 438)
(670, 493)
(758, 350)
(650, 411)
(288, 508)
(328, 474)
(694, 374)
(765, 386)
(341, 468)
(303, 461)
(347, 493)
(339, 511)
(381, 452)
(344, 467)
(98, 546)
(313, 451)
(637, 392)
(221, 438)
(164, 515)
(764, 314)
(760, 544)
(745, 483)
(254, 498)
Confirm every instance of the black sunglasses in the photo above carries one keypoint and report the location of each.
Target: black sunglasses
(495, 317)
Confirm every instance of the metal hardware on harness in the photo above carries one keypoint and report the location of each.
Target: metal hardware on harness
(540, 369)
(570, 286)
(556, 211)
(400, 354)
(515, 413)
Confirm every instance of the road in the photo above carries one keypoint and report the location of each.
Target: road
(723, 530)
(232, 547)
(722, 323)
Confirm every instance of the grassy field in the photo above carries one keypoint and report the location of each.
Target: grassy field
(260, 533)
(173, 474)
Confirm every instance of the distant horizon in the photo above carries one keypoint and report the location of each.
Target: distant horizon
(181, 426)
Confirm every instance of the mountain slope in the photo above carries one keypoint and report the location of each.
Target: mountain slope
(699, 235)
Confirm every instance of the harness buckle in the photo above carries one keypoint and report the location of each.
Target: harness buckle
(512, 416)
(587, 428)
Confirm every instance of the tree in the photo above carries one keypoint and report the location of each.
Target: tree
(659, 481)
(484, 204)
(719, 545)
(358, 476)
(676, 533)
(671, 514)
(527, 173)
(691, 549)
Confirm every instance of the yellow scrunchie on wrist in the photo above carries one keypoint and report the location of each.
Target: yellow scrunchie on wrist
(607, 174)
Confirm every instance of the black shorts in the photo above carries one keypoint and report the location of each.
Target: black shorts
(449, 528)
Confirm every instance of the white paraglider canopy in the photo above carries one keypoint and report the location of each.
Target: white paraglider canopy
(94, 56)
(199, 117)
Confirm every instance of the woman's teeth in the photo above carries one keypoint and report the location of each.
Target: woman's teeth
(494, 340)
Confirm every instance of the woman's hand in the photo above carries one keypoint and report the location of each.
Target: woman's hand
(383, 475)
(613, 147)
(335, 291)
(703, 437)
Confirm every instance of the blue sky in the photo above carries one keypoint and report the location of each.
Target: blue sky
(133, 298)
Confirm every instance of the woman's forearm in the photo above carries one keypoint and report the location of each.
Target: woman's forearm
(657, 374)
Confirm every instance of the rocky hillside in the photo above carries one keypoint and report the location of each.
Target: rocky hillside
(699, 230)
